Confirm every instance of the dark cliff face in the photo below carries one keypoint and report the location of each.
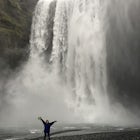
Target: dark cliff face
(15, 24)
(123, 47)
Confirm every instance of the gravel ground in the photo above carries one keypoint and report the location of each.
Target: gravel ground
(122, 135)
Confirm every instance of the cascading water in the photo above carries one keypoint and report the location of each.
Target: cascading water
(86, 62)
(66, 71)
(78, 52)
(60, 35)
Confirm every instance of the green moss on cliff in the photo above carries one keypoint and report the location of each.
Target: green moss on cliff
(15, 24)
(15, 4)
(9, 25)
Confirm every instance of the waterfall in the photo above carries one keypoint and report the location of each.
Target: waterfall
(39, 28)
(78, 55)
(77, 59)
(65, 77)
(86, 60)
(60, 39)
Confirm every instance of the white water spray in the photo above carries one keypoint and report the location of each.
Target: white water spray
(76, 75)
(86, 60)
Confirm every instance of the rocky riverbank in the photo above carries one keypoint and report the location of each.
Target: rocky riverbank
(124, 135)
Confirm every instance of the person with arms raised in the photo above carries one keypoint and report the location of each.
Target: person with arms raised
(47, 126)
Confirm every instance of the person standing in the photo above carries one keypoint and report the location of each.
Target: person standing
(47, 126)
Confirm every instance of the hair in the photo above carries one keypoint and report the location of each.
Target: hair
(47, 121)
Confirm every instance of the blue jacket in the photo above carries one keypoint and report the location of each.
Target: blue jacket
(47, 126)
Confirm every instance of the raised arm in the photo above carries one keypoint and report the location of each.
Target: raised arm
(42, 120)
(52, 123)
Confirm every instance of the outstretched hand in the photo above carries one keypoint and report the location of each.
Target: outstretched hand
(39, 118)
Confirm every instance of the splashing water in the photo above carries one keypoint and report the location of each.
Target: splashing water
(87, 56)
(74, 76)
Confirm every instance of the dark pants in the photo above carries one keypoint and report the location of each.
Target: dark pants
(45, 135)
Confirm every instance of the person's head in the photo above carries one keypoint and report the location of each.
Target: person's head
(47, 121)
